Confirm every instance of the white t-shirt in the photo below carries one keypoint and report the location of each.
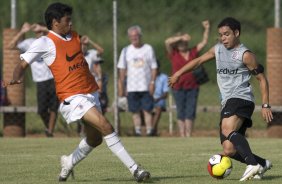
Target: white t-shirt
(39, 70)
(91, 57)
(44, 48)
(139, 63)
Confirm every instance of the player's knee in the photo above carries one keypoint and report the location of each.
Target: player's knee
(106, 128)
(226, 131)
(94, 142)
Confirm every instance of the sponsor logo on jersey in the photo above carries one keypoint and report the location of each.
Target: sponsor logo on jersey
(235, 55)
(70, 58)
(227, 71)
(78, 65)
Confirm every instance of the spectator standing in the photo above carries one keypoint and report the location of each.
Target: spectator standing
(160, 95)
(94, 61)
(76, 89)
(47, 101)
(186, 90)
(234, 65)
(138, 63)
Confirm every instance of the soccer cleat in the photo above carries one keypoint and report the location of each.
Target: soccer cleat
(66, 169)
(141, 175)
(267, 166)
(250, 172)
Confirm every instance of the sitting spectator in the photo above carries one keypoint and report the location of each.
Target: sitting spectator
(94, 61)
(160, 95)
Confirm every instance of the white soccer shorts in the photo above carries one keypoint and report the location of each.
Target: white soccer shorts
(74, 107)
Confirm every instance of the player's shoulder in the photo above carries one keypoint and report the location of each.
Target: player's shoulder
(43, 40)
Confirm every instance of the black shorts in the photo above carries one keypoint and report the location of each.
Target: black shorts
(46, 96)
(240, 107)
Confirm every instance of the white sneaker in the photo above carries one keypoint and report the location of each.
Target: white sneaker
(267, 166)
(250, 172)
(141, 175)
(66, 169)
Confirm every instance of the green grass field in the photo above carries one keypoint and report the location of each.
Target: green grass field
(170, 160)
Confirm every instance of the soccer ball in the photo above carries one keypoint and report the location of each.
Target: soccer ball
(219, 166)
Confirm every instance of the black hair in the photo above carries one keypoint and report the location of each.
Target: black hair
(232, 23)
(56, 11)
(158, 63)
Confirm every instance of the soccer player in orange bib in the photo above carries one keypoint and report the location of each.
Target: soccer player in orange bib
(76, 89)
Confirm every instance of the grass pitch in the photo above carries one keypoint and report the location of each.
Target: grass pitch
(170, 160)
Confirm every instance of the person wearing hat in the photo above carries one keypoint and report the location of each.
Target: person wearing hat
(186, 90)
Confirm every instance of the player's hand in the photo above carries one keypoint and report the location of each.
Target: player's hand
(267, 114)
(12, 82)
(206, 24)
(26, 27)
(172, 80)
(85, 39)
(36, 28)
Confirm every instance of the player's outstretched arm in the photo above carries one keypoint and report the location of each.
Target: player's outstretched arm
(258, 71)
(191, 66)
(17, 74)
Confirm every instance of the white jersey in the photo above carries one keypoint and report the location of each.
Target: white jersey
(39, 70)
(91, 57)
(139, 63)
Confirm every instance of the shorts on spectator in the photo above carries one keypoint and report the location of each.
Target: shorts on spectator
(140, 101)
(46, 96)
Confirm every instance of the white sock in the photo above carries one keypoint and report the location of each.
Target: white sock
(149, 130)
(137, 129)
(118, 149)
(80, 152)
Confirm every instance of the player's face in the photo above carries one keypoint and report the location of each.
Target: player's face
(65, 25)
(135, 38)
(228, 37)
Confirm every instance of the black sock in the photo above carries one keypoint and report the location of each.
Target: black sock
(238, 157)
(260, 160)
(242, 147)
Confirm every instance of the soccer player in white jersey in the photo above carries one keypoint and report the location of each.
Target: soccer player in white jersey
(235, 63)
(76, 89)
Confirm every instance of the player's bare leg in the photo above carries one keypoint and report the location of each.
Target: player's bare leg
(98, 122)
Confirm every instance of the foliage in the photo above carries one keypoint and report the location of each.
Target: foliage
(159, 19)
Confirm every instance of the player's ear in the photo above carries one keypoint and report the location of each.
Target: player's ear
(54, 23)
(237, 33)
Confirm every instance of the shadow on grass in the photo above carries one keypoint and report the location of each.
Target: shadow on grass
(151, 180)
(158, 179)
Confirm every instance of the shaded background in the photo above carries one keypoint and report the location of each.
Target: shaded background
(159, 20)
